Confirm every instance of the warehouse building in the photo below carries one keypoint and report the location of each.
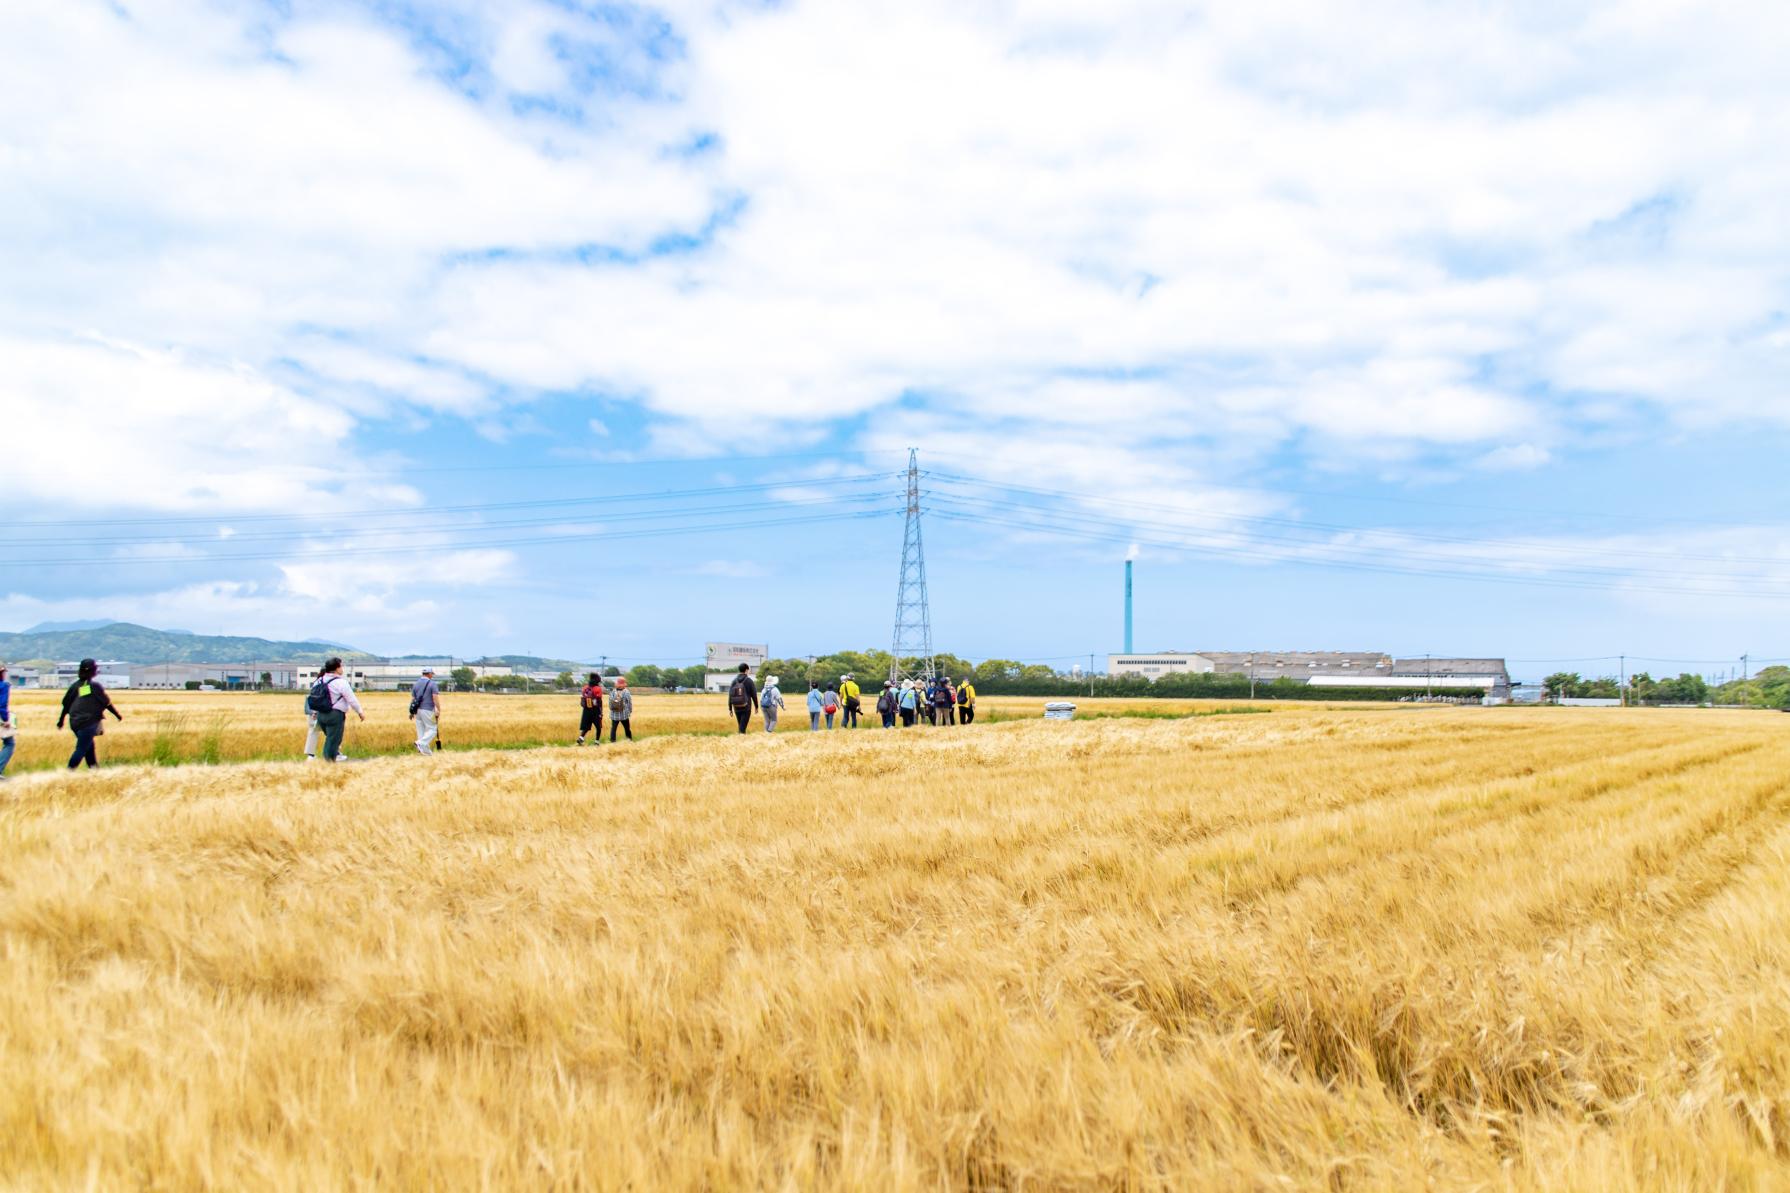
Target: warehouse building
(1158, 664)
(1488, 678)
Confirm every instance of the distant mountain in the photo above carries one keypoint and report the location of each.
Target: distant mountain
(140, 644)
(56, 627)
(529, 662)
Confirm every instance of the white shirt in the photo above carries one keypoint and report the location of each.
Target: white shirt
(341, 696)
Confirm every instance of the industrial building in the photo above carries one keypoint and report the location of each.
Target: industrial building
(724, 659)
(1325, 668)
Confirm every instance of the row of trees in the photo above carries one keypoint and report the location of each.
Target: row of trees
(1010, 677)
(992, 677)
(1769, 689)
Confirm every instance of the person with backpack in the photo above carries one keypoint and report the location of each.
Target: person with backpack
(771, 703)
(909, 703)
(815, 705)
(850, 700)
(885, 704)
(84, 707)
(8, 731)
(966, 702)
(331, 697)
(944, 698)
(928, 701)
(742, 694)
(425, 710)
(590, 704)
(621, 710)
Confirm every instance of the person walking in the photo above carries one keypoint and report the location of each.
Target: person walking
(590, 703)
(815, 705)
(84, 707)
(314, 735)
(941, 702)
(966, 701)
(8, 731)
(830, 703)
(885, 704)
(742, 694)
(621, 710)
(851, 700)
(771, 703)
(425, 710)
(332, 697)
(909, 703)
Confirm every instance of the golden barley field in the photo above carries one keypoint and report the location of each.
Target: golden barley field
(1320, 948)
(182, 728)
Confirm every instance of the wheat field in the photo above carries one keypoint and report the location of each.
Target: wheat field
(1349, 948)
(179, 728)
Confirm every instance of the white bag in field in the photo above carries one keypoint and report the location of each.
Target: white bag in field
(1059, 710)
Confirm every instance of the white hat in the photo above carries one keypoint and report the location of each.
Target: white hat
(770, 681)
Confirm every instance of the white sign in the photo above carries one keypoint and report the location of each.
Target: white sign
(727, 656)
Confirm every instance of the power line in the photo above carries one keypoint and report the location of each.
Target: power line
(1256, 537)
(541, 503)
(1340, 528)
(1331, 553)
(464, 527)
(438, 548)
(1232, 552)
(1287, 491)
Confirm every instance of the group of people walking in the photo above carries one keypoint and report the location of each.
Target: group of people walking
(331, 698)
(84, 708)
(591, 701)
(936, 699)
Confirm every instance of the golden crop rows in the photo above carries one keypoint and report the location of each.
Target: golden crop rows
(1350, 948)
(270, 726)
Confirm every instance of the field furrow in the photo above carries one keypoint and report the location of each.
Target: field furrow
(1336, 949)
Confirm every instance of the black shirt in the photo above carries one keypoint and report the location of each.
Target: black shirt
(85, 708)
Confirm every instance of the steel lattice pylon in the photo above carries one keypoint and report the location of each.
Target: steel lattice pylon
(913, 620)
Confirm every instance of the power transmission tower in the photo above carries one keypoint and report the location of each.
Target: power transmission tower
(913, 620)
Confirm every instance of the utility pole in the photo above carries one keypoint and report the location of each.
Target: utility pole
(913, 619)
(1622, 678)
(1252, 677)
(1429, 689)
(1090, 674)
(1746, 672)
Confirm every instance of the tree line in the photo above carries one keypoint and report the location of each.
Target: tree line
(1770, 688)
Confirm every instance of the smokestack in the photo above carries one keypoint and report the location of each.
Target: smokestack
(1128, 646)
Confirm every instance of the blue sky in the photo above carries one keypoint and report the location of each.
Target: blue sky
(1375, 325)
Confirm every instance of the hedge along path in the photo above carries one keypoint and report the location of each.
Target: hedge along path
(1474, 947)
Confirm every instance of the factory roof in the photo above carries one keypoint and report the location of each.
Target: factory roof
(1448, 667)
(1297, 658)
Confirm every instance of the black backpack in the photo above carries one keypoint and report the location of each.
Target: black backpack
(736, 695)
(318, 701)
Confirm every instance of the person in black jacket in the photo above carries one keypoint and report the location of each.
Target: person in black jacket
(84, 707)
(742, 694)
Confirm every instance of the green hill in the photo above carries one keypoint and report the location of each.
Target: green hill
(140, 644)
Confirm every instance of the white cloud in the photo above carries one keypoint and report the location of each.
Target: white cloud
(1294, 219)
(163, 431)
(1131, 246)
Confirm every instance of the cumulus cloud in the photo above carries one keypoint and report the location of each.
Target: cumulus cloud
(166, 431)
(1141, 245)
